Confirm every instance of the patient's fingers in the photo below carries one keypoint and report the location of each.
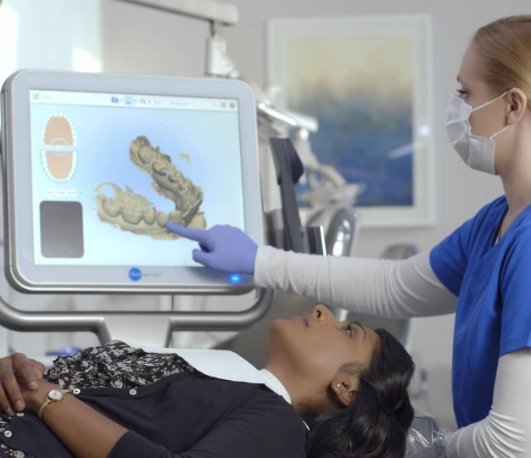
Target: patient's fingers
(25, 371)
(39, 368)
(10, 395)
(15, 370)
(5, 405)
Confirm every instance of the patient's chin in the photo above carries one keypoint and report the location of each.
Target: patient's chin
(275, 329)
(282, 328)
(287, 342)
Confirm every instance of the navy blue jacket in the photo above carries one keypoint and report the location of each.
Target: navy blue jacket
(186, 415)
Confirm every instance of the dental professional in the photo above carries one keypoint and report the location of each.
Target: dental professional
(481, 271)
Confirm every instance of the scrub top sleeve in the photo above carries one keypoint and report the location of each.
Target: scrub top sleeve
(516, 296)
(449, 258)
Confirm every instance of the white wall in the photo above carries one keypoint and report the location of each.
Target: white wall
(60, 35)
(140, 40)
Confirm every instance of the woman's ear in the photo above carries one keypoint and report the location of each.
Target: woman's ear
(345, 387)
(517, 105)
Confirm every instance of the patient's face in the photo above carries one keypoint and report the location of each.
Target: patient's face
(317, 345)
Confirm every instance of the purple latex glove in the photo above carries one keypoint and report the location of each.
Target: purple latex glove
(224, 248)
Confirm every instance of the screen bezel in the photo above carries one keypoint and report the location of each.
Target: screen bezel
(21, 270)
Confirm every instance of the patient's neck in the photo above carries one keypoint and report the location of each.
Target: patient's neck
(303, 395)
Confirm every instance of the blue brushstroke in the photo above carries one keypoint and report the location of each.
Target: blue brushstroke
(369, 143)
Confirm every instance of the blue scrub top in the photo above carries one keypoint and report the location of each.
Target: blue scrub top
(493, 283)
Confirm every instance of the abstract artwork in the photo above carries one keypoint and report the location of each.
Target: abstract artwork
(366, 80)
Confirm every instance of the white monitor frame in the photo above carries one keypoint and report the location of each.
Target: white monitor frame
(21, 269)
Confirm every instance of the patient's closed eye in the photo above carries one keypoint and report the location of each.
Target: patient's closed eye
(348, 329)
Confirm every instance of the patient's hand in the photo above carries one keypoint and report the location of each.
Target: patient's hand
(34, 398)
(18, 372)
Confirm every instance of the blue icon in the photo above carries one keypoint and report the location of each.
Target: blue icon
(114, 99)
(235, 279)
(135, 274)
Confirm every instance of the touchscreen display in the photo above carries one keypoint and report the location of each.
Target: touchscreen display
(108, 170)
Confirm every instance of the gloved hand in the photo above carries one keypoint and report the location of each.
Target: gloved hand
(224, 248)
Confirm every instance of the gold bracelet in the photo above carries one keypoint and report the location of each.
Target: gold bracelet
(52, 396)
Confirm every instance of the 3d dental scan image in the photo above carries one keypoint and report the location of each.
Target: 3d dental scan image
(136, 213)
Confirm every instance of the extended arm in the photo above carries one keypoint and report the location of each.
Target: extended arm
(75, 423)
(395, 289)
(506, 432)
(252, 429)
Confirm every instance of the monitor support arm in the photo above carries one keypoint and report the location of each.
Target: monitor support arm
(218, 63)
(204, 10)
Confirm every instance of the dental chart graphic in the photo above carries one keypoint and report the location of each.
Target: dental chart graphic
(106, 178)
(59, 157)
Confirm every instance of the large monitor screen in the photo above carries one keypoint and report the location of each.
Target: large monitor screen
(95, 165)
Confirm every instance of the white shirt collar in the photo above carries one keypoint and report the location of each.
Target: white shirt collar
(274, 384)
(227, 365)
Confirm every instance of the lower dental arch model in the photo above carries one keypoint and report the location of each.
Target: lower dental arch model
(134, 213)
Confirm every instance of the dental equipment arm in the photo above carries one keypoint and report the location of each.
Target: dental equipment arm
(206, 10)
(218, 62)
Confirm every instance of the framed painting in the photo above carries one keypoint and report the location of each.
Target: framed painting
(367, 81)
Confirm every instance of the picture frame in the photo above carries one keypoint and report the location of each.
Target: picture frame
(367, 81)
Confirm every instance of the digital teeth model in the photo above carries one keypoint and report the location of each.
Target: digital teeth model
(59, 158)
(133, 212)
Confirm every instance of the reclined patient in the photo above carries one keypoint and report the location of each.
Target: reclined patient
(329, 389)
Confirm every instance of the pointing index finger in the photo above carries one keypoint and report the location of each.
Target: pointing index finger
(199, 235)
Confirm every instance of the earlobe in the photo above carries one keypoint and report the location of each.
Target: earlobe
(517, 105)
(344, 387)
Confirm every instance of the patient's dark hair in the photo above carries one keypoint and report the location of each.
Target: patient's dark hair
(375, 424)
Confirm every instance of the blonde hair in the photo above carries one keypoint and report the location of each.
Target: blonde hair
(505, 46)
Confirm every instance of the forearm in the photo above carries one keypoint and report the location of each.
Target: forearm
(506, 432)
(77, 425)
(396, 289)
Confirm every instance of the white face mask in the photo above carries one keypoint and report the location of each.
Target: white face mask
(476, 151)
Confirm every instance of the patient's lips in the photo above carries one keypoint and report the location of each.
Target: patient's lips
(59, 158)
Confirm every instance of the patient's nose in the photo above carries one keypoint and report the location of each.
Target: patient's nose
(323, 314)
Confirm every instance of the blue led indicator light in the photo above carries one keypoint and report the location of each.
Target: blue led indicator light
(135, 274)
(235, 278)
